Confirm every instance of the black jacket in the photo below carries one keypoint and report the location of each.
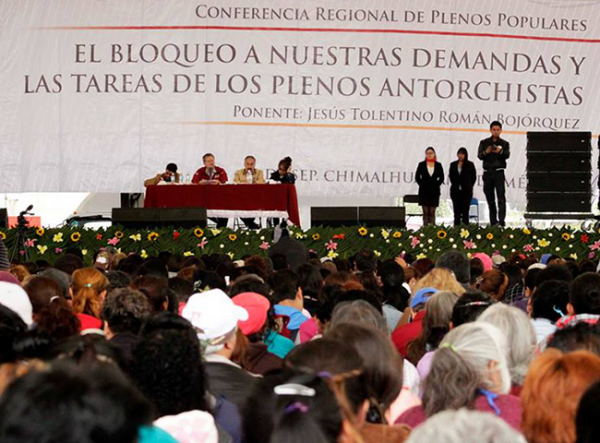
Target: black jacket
(294, 251)
(465, 180)
(230, 382)
(493, 161)
(429, 185)
(287, 179)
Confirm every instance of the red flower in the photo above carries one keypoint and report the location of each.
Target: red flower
(585, 238)
(339, 236)
(176, 235)
(98, 237)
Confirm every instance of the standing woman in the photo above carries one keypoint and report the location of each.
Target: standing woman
(429, 176)
(462, 179)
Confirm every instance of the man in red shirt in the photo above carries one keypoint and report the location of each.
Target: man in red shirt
(210, 174)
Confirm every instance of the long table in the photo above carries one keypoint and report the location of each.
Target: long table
(244, 200)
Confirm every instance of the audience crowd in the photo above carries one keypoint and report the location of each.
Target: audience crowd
(293, 348)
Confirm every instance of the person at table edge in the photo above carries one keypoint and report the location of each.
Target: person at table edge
(210, 174)
(241, 175)
(167, 176)
(284, 172)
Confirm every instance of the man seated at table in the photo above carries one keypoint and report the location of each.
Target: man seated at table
(249, 174)
(210, 174)
(170, 175)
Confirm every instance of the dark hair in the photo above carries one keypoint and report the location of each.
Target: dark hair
(469, 306)
(580, 337)
(40, 291)
(554, 272)
(125, 310)
(117, 279)
(155, 289)
(11, 327)
(280, 262)
(495, 123)
(310, 280)
(588, 426)
(284, 285)
(249, 283)
(531, 278)
(463, 151)
(154, 267)
(456, 262)
(273, 418)
(366, 260)
(62, 278)
(285, 162)
(182, 288)
(205, 156)
(423, 266)
(249, 156)
(550, 297)
(172, 167)
(90, 350)
(210, 279)
(57, 320)
(476, 269)
(69, 263)
(514, 274)
(72, 405)
(585, 294)
(167, 367)
(393, 291)
(430, 148)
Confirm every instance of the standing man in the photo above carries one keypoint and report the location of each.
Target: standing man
(494, 152)
(249, 175)
(209, 174)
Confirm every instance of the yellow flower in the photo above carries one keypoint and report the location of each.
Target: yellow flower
(144, 254)
(332, 254)
(75, 236)
(299, 235)
(215, 232)
(397, 234)
(543, 243)
(136, 237)
(198, 232)
(188, 254)
(40, 231)
(566, 237)
(464, 233)
(58, 238)
(385, 234)
(232, 237)
(231, 255)
(377, 253)
(420, 256)
(316, 236)
(526, 231)
(362, 231)
(119, 234)
(2, 235)
(153, 236)
(573, 256)
(42, 249)
(490, 236)
(84, 251)
(442, 234)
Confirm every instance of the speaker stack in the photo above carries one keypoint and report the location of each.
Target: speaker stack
(371, 216)
(559, 175)
(158, 217)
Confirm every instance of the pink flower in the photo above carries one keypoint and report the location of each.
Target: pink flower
(595, 246)
(58, 251)
(30, 243)
(528, 248)
(203, 243)
(22, 252)
(331, 245)
(264, 246)
(415, 241)
(591, 255)
(113, 241)
(469, 244)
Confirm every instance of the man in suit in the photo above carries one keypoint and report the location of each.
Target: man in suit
(249, 175)
(494, 152)
(170, 175)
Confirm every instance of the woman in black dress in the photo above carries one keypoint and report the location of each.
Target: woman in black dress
(462, 179)
(284, 172)
(429, 177)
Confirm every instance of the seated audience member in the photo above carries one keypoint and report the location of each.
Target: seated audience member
(209, 174)
(587, 423)
(248, 175)
(19, 271)
(14, 297)
(60, 277)
(552, 391)
(476, 268)
(284, 172)
(464, 426)
(70, 404)
(12, 327)
(311, 282)
(69, 263)
(546, 305)
(486, 261)
(470, 306)
(124, 311)
(294, 252)
(434, 327)
(584, 301)
(469, 370)
(458, 263)
(515, 289)
(394, 294)
(215, 318)
(554, 272)
(259, 360)
(288, 299)
(493, 282)
(170, 175)
(157, 292)
(578, 337)
(183, 289)
(89, 290)
(118, 280)
(520, 337)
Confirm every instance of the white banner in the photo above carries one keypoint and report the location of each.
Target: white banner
(99, 95)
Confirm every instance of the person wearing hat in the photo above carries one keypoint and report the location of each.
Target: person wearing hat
(215, 318)
(16, 299)
(259, 359)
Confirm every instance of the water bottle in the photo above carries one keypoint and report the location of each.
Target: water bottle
(249, 176)
(187, 178)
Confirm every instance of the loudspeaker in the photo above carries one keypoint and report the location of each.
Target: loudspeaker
(393, 216)
(3, 218)
(559, 202)
(334, 217)
(559, 141)
(559, 182)
(559, 161)
(157, 217)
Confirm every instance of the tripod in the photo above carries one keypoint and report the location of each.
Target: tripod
(19, 244)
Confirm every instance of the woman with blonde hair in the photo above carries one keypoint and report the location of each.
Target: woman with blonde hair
(441, 279)
(88, 290)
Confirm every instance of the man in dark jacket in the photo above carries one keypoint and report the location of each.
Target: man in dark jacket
(494, 152)
(294, 251)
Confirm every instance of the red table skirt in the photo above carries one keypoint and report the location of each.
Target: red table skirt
(226, 197)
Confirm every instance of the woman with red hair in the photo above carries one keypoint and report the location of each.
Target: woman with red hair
(553, 388)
